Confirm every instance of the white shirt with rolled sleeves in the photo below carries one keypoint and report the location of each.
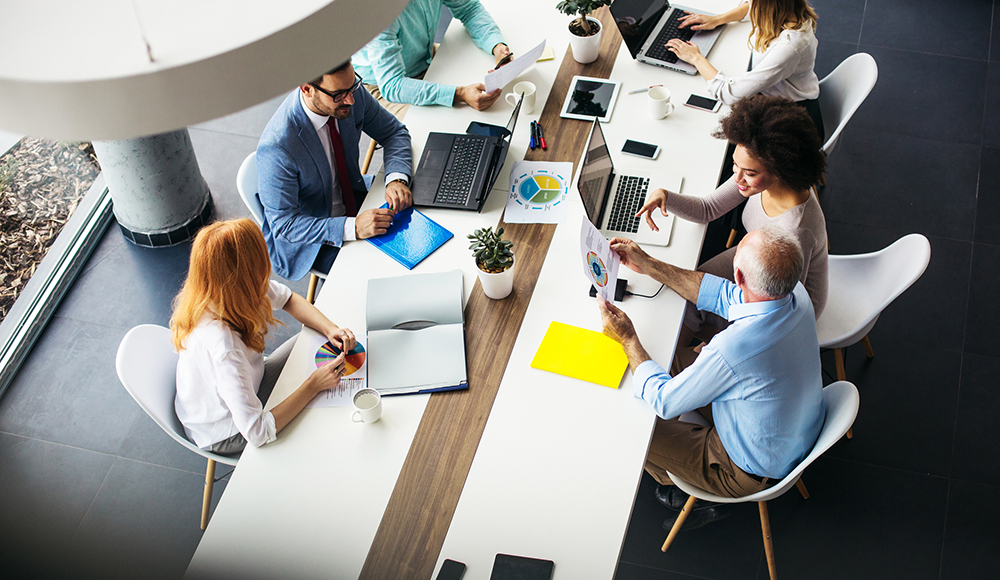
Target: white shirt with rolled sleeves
(784, 69)
(218, 376)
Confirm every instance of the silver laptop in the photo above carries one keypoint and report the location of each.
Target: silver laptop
(611, 200)
(647, 25)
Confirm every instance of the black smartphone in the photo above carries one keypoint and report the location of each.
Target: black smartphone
(703, 103)
(507, 567)
(451, 570)
(506, 59)
(640, 149)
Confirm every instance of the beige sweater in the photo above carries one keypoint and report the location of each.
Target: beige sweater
(805, 221)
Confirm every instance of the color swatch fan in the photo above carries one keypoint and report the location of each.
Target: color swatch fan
(353, 362)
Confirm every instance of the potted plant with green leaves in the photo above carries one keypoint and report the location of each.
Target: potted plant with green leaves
(495, 259)
(585, 30)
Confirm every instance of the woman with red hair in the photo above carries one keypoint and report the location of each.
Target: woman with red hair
(220, 319)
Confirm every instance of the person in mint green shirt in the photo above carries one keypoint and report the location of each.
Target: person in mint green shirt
(397, 59)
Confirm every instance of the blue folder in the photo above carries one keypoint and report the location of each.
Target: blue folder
(411, 237)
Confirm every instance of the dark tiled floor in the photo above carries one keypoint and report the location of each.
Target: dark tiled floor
(913, 494)
(92, 488)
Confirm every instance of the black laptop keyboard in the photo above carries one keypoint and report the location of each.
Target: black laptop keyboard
(456, 184)
(629, 198)
(658, 49)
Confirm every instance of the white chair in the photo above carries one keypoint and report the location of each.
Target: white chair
(147, 366)
(841, 400)
(842, 91)
(246, 184)
(861, 286)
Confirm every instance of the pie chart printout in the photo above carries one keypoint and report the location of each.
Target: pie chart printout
(597, 269)
(537, 192)
(355, 357)
(540, 189)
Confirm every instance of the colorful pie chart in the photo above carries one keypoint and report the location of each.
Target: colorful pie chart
(597, 269)
(540, 189)
(355, 357)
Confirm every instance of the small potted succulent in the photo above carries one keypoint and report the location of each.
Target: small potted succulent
(495, 260)
(585, 30)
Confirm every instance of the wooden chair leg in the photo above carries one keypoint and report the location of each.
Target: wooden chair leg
(368, 157)
(822, 179)
(311, 293)
(732, 238)
(868, 346)
(802, 488)
(685, 512)
(838, 357)
(765, 527)
(207, 501)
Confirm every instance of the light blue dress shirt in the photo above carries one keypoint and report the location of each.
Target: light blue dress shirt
(404, 50)
(761, 375)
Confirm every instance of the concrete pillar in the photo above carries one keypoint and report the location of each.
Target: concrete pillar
(159, 195)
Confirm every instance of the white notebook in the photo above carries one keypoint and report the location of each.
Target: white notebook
(416, 334)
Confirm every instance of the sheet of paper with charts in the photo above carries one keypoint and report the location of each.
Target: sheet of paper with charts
(538, 192)
(600, 264)
(355, 373)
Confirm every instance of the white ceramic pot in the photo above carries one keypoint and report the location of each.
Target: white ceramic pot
(586, 49)
(497, 286)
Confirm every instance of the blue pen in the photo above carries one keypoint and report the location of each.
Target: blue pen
(532, 142)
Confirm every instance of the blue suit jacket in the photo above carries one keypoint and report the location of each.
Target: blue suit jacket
(295, 183)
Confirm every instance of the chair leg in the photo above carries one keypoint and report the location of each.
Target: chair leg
(685, 512)
(868, 347)
(732, 239)
(802, 488)
(207, 501)
(368, 157)
(838, 357)
(765, 527)
(311, 293)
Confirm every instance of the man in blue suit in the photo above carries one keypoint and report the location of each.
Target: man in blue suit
(309, 181)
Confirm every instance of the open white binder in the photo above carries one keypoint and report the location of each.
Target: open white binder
(416, 334)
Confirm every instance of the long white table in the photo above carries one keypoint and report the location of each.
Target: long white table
(309, 504)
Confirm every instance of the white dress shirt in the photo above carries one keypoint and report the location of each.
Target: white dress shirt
(784, 69)
(218, 376)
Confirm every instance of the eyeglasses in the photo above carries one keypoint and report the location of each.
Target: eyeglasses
(339, 96)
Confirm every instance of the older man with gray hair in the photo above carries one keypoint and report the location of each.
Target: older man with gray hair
(757, 383)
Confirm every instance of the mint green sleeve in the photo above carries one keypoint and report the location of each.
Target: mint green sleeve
(385, 56)
(485, 33)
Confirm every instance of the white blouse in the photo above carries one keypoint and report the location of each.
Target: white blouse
(217, 381)
(785, 69)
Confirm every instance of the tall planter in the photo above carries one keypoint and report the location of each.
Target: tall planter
(586, 49)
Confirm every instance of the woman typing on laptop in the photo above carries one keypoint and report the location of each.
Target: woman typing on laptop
(776, 161)
(783, 39)
(220, 319)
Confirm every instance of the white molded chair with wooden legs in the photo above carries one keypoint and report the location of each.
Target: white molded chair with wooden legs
(147, 367)
(861, 286)
(841, 400)
(842, 91)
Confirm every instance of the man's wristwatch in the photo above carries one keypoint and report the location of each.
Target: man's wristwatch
(401, 180)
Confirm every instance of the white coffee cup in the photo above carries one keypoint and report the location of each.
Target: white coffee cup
(528, 104)
(659, 102)
(367, 405)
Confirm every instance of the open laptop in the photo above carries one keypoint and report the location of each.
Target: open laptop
(458, 171)
(611, 200)
(647, 25)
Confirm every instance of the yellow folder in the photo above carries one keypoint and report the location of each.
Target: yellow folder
(582, 354)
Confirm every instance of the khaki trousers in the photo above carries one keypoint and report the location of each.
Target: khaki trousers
(695, 454)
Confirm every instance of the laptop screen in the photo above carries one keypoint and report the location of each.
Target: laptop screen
(597, 171)
(636, 19)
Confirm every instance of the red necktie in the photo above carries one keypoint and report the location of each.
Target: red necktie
(347, 190)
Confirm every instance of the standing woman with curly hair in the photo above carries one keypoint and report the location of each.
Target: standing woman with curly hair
(783, 40)
(776, 162)
(220, 319)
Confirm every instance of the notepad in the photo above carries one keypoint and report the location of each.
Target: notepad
(581, 354)
(411, 237)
